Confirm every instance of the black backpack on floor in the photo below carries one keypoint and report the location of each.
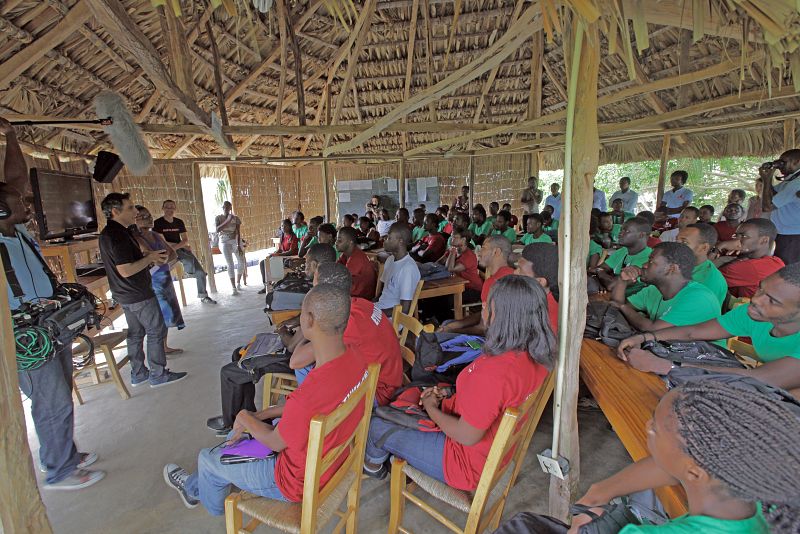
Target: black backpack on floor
(288, 293)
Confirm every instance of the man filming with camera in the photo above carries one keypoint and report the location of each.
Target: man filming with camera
(784, 201)
(46, 375)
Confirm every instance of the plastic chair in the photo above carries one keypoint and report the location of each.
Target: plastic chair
(319, 505)
(484, 506)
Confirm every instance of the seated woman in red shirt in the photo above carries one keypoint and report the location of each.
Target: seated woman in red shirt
(287, 247)
(518, 351)
(461, 260)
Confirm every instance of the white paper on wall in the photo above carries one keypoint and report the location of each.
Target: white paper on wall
(344, 197)
(422, 190)
(392, 184)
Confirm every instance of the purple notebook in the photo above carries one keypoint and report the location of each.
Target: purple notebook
(248, 447)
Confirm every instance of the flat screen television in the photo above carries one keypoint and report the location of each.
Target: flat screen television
(64, 203)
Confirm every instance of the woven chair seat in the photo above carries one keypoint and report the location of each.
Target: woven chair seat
(459, 499)
(286, 516)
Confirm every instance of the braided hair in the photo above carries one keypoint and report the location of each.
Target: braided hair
(748, 442)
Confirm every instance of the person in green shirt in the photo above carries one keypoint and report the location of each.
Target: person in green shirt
(442, 212)
(502, 228)
(418, 232)
(671, 298)
(480, 226)
(299, 226)
(633, 251)
(461, 224)
(326, 235)
(771, 321)
(310, 239)
(701, 238)
(606, 234)
(734, 451)
(535, 231)
(494, 209)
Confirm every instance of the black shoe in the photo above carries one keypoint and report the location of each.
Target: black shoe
(208, 300)
(218, 426)
(380, 474)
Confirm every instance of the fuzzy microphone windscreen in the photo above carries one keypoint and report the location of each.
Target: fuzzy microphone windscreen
(124, 132)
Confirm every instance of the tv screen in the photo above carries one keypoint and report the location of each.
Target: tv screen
(64, 203)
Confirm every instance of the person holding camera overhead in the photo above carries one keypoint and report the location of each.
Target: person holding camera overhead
(785, 203)
(128, 271)
(49, 386)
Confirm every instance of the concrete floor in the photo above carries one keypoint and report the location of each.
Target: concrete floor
(135, 438)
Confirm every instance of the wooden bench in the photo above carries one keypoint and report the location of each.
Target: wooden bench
(105, 344)
(628, 398)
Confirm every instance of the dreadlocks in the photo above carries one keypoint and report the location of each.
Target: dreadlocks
(748, 442)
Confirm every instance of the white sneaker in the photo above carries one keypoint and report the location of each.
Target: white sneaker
(239, 286)
(79, 479)
(235, 292)
(87, 459)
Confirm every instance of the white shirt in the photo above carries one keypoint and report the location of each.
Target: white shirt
(556, 203)
(400, 280)
(599, 200)
(630, 199)
(669, 235)
(383, 227)
(675, 199)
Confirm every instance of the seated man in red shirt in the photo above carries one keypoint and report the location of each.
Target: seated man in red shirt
(339, 370)
(517, 354)
(432, 246)
(749, 259)
(369, 333)
(461, 260)
(733, 214)
(493, 257)
(540, 262)
(363, 271)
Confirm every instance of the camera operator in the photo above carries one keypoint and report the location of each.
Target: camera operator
(785, 203)
(48, 386)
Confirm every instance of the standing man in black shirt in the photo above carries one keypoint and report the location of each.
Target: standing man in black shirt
(128, 271)
(174, 231)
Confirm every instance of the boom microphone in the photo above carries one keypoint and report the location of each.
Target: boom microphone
(123, 132)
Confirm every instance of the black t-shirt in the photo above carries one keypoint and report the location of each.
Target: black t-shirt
(118, 247)
(170, 230)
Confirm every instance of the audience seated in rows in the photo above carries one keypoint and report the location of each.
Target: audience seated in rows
(461, 260)
(400, 272)
(633, 251)
(726, 228)
(432, 246)
(689, 215)
(749, 258)
(701, 238)
(534, 231)
(362, 270)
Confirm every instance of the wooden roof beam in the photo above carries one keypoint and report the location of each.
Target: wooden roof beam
(112, 15)
(21, 61)
(412, 36)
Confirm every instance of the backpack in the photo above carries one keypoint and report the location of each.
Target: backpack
(431, 356)
(433, 271)
(288, 293)
(606, 324)
(405, 412)
(693, 352)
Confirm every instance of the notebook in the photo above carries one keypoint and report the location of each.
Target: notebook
(247, 447)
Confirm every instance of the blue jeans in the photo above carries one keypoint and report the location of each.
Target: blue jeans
(192, 267)
(211, 483)
(145, 319)
(423, 450)
(50, 390)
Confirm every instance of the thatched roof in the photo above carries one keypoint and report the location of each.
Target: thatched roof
(676, 66)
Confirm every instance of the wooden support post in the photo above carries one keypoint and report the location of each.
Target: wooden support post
(325, 192)
(789, 134)
(535, 164)
(208, 258)
(21, 507)
(223, 112)
(582, 152)
(662, 169)
(401, 183)
(471, 182)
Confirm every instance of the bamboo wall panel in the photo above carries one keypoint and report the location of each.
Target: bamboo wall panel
(500, 178)
(312, 199)
(453, 173)
(173, 181)
(262, 197)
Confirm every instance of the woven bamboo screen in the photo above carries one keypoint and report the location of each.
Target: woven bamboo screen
(165, 180)
(453, 173)
(312, 198)
(263, 196)
(501, 178)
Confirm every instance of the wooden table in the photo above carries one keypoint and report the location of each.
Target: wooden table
(448, 286)
(628, 398)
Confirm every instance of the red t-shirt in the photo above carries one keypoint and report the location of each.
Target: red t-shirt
(485, 389)
(470, 273)
(487, 285)
(653, 241)
(370, 333)
(363, 273)
(724, 230)
(436, 246)
(743, 276)
(288, 243)
(552, 312)
(324, 389)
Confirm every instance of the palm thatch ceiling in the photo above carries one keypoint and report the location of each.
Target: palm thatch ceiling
(412, 77)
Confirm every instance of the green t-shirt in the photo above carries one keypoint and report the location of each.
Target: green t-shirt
(527, 239)
(300, 231)
(693, 304)
(594, 248)
(418, 233)
(313, 242)
(442, 224)
(509, 234)
(482, 229)
(615, 229)
(620, 259)
(694, 524)
(707, 274)
(768, 348)
(490, 219)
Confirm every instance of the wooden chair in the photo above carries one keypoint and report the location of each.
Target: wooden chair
(484, 506)
(319, 504)
(744, 352)
(105, 344)
(284, 383)
(379, 283)
(179, 273)
(408, 324)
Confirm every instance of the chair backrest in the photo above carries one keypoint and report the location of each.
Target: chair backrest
(514, 431)
(408, 324)
(317, 464)
(284, 384)
(379, 283)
